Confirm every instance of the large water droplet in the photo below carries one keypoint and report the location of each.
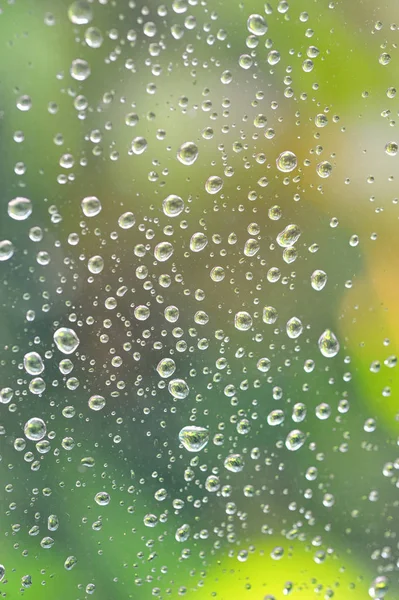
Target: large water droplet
(33, 363)
(318, 279)
(163, 251)
(20, 208)
(173, 206)
(178, 388)
(166, 367)
(234, 463)
(286, 162)
(295, 439)
(91, 206)
(328, 344)
(66, 340)
(187, 153)
(80, 12)
(289, 236)
(194, 438)
(35, 429)
(80, 69)
(243, 321)
(256, 24)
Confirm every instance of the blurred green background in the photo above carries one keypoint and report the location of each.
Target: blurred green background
(170, 74)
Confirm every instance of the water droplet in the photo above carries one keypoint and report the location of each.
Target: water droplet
(80, 12)
(328, 344)
(96, 402)
(294, 328)
(127, 220)
(80, 69)
(256, 25)
(289, 236)
(95, 264)
(20, 208)
(163, 251)
(187, 153)
(93, 37)
(318, 279)
(270, 315)
(33, 363)
(324, 169)
(91, 206)
(102, 498)
(287, 162)
(198, 242)
(139, 145)
(6, 250)
(70, 562)
(213, 184)
(295, 439)
(243, 321)
(166, 367)
(183, 533)
(66, 340)
(234, 463)
(35, 429)
(193, 438)
(391, 148)
(173, 206)
(178, 388)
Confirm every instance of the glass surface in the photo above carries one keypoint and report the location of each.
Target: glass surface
(199, 289)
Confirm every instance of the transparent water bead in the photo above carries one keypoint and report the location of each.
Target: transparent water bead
(19, 208)
(66, 340)
(178, 388)
(295, 440)
(328, 344)
(193, 438)
(234, 463)
(173, 206)
(286, 161)
(35, 429)
(294, 328)
(6, 250)
(289, 236)
(187, 154)
(80, 69)
(33, 363)
(91, 206)
(80, 12)
(243, 321)
(166, 367)
(257, 25)
(318, 279)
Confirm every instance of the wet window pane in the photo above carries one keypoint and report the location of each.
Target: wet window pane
(199, 330)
